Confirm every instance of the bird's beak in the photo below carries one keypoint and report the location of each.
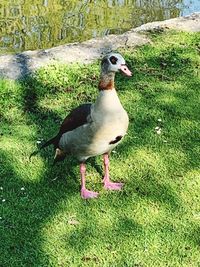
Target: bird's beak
(124, 69)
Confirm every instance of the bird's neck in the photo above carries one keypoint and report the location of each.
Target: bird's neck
(107, 101)
(107, 81)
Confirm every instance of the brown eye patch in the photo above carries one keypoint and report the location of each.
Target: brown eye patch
(113, 60)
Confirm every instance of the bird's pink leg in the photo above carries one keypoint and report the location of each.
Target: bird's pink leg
(106, 180)
(84, 192)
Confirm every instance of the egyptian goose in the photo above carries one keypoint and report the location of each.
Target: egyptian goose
(95, 129)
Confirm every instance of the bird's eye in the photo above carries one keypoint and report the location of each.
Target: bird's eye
(113, 60)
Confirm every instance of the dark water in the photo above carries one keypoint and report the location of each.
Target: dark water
(36, 24)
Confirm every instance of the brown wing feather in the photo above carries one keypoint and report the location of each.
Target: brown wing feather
(76, 118)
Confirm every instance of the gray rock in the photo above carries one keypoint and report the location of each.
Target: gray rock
(189, 23)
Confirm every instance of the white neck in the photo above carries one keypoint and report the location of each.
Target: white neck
(108, 100)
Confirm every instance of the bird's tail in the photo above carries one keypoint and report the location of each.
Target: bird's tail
(52, 141)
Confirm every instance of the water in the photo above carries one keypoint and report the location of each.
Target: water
(36, 24)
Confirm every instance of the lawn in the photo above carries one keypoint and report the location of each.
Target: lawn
(155, 219)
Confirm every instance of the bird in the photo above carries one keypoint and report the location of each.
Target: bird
(94, 129)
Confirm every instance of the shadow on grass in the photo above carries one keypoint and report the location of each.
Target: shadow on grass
(25, 212)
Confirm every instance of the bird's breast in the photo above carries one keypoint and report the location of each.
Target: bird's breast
(108, 132)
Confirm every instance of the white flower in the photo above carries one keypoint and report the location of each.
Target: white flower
(159, 120)
(22, 188)
(3, 200)
(158, 131)
(39, 142)
(73, 222)
(1, 188)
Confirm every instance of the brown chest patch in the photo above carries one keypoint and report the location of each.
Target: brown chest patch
(106, 85)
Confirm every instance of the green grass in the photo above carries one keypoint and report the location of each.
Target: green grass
(155, 220)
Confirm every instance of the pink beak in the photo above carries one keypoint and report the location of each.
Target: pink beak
(125, 70)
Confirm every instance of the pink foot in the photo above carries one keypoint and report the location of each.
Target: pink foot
(88, 194)
(113, 186)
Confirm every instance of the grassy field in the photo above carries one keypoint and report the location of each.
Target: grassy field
(155, 220)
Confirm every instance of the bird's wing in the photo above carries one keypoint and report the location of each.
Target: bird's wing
(78, 117)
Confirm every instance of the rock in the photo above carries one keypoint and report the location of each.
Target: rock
(189, 23)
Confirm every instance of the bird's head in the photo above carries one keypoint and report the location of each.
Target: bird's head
(114, 62)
